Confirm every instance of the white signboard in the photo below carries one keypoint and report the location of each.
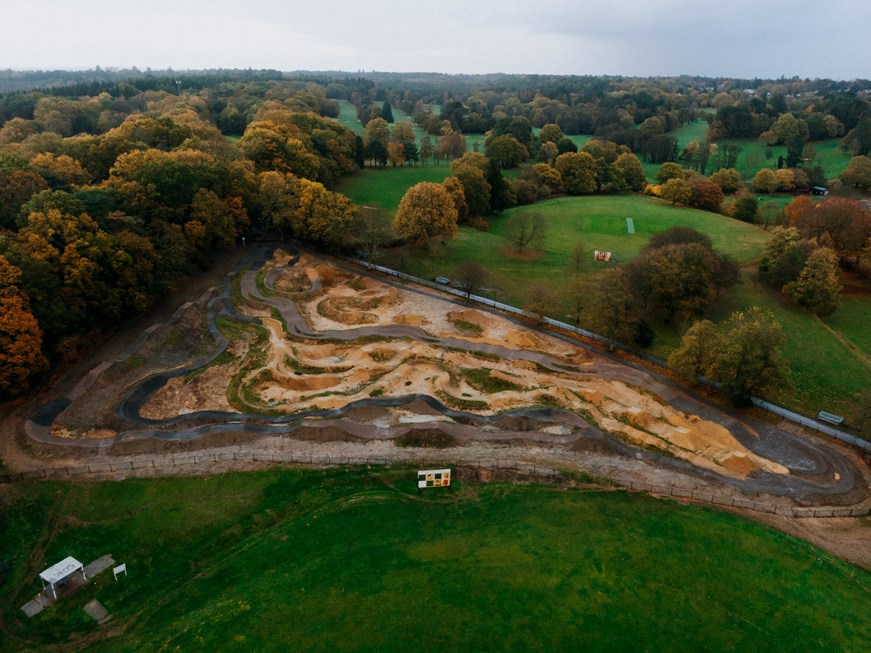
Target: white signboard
(120, 568)
(601, 256)
(433, 478)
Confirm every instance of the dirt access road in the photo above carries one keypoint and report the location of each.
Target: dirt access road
(348, 365)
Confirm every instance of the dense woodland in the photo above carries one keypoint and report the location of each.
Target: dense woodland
(115, 185)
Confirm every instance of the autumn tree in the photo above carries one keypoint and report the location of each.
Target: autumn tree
(676, 190)
(547, 179)
(844, 223)
(818, 287)
(279, 147)
(21, 357)
(321, 216)
(525, 228)
(612, 310)
(728, 179)
(395, 154)
(17, 185)
(541, 300)
(370, 232)
(704, 194)
(628, 173)
(455, 188)
(858, 173)
(765, 181)
(679, 281)
(783, 257)
(426, 211)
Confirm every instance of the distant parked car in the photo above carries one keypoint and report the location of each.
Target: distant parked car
(442, 280)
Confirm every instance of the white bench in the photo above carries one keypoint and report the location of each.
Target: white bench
(823, 416)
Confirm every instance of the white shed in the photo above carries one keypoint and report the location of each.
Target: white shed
(59, 573)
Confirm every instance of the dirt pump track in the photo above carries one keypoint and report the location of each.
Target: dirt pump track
(819, 473)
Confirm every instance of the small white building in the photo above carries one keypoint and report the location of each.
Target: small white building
(60, 573)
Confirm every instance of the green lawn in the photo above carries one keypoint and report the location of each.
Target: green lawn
(597, 222)
(752, 157)
(348, 117)
(356, 560)
(385, 187)
(695, 131)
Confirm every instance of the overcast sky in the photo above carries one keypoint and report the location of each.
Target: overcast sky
(733, 38)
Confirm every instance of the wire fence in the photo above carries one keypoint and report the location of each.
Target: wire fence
(190, 462)
(863, 445)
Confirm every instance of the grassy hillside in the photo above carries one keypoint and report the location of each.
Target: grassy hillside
(356, 560)
(597, 222)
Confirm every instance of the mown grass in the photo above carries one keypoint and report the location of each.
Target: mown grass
(385, 187)
(597, 222)
(830, 157)
(355, 560)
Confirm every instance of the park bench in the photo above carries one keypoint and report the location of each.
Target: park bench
(823, 416)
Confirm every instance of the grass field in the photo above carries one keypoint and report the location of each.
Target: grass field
(385, 187)
(752, 157)
(356, 560)
(597, 222)
(824, 373)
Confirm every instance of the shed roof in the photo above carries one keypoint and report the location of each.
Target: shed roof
(61, 570)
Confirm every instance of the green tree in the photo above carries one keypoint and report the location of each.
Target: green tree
(507, 151)
(745, 207)
(387, 112)
(748, 357)
(783, 257)
(669, 170)
(694, 357)
(550, 133)
(476, 189)
(578, 172)
(426, 211)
